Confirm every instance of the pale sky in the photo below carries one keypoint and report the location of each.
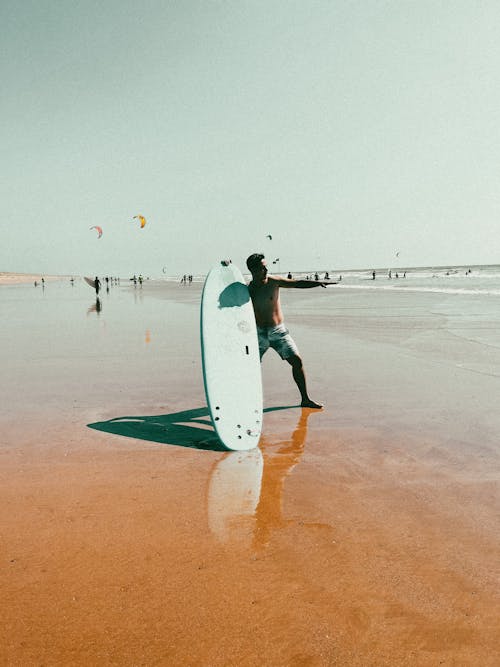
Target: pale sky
(347, 130)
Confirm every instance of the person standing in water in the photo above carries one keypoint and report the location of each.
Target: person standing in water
(271, 330)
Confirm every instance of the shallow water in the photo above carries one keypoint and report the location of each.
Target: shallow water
(59, 346)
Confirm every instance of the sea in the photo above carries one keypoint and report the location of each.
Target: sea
(483, 279)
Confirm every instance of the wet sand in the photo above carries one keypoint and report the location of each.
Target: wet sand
(365, 534)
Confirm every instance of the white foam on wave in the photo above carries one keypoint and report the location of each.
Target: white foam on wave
(416, 288)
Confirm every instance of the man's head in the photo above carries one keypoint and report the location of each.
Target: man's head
(257, 264)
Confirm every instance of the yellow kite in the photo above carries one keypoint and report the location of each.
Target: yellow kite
(141, 218)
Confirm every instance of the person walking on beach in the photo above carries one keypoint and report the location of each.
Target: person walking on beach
(265, 294)
(97, 284)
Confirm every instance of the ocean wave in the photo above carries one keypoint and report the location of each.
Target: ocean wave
(416, 288)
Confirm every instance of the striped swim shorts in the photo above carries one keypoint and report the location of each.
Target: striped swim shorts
(277, 337)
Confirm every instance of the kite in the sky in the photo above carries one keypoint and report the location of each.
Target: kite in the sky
(269, 237)
(99, 231)
(141, 218)
(397, 254)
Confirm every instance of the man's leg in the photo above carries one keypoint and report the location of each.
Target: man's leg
(300, 379)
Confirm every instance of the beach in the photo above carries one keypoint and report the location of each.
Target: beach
(10, 278)
(364, 534)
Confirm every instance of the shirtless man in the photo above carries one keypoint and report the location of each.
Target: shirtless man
(271, 330)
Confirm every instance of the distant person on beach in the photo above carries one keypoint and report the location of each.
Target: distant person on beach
(289, 276)
(97, 284)
(265, 293)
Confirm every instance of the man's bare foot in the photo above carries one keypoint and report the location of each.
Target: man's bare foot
(307, 403)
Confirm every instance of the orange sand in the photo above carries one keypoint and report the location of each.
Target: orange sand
(108, 559)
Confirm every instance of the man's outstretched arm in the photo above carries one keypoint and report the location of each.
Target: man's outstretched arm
(302, 284)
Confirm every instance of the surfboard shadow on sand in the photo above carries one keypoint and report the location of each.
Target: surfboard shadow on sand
(188, 428)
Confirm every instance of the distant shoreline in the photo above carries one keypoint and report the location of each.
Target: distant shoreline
(13, 278)
(7, 278)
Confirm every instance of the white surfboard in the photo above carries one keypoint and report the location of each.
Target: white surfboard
(230, 356)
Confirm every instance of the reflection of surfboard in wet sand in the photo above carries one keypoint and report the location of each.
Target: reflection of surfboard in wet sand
(89, 281)
(233, 494)
(230, 355)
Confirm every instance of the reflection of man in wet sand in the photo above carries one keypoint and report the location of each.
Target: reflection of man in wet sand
(277, 466)
(271, 330)
(95, 308)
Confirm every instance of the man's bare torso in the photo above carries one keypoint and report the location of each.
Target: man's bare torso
(266, 302)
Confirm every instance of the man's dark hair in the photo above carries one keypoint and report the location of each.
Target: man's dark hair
(254, 261)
